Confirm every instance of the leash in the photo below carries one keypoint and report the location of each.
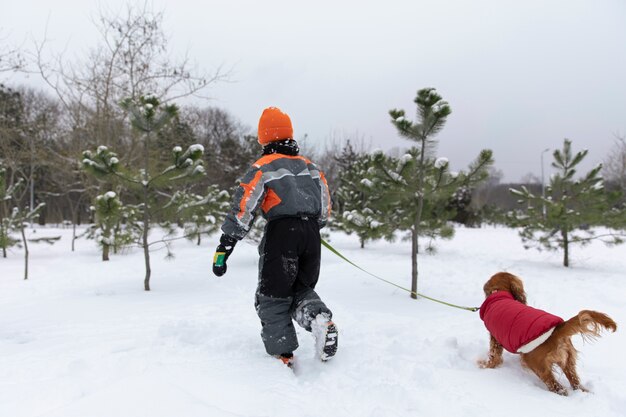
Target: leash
(336, 252)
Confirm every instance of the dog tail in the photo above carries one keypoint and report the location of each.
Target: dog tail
(588, 323)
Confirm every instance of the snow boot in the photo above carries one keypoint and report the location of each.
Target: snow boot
(286, 358)
(326, 336)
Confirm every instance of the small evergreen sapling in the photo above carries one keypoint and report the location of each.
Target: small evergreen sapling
(357, 199)
(148, 116)
(115, 224)
(569, 210)
(202, 214)
(418, 186)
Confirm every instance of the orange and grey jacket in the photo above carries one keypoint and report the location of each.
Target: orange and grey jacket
(280, 186)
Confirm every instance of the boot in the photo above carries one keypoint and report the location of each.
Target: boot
(326, 336)
(286, 358)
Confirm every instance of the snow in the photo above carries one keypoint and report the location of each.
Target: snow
(199, 170)
(177, 149)
(195, 148)
(82, 338)
(366, 182)
(109, 195)
(441, 162)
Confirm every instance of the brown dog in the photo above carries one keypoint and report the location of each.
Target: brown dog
(540, 348)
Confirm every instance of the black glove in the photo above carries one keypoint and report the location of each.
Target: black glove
(223, 251)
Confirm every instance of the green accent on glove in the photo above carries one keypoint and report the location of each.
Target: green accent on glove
(219, 258)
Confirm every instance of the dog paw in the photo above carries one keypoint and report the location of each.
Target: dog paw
(488, 364)
(559, 390)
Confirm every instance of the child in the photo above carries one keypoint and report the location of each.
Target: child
(292, 194)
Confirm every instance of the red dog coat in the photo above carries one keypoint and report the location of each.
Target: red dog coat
(516, 326)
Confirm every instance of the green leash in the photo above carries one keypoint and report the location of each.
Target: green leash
(336, 252)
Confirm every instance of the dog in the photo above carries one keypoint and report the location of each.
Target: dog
(543, 340)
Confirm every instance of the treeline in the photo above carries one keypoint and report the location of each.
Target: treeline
(40, 147)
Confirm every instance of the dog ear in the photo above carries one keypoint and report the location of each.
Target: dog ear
(517, 290)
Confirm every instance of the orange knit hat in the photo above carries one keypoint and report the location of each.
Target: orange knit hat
(274, 125)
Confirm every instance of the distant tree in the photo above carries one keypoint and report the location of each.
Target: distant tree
(6, 211)
(202, 214)
(132, 59)
(113, 227)
(356, 198)
(614, 167)
(460, 203)
(11, 58)
(14, 217)
(232, 157)
(483, 195)
(20, 218)
(148, 117)
(571, 206)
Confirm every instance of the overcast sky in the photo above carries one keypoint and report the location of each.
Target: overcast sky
(519, 75)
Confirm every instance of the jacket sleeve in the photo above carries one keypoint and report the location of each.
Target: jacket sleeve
(248, 197)
(325, 200)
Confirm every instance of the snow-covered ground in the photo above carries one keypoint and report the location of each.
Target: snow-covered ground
(82, 338)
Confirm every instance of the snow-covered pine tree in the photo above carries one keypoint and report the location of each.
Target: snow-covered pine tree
(115, 224)
(148, 116)
(202, 214)
(569, 210)
(419, 186)
(356, 198)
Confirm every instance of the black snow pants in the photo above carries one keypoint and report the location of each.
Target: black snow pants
(289, 268)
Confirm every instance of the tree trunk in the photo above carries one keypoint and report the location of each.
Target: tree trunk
(73, 235)
(199, 237)
(414, 272)
(25, 252)
(416, 222)
(146, 213)
(105, 251)
(73, 213)
(565, 236)
(146, 249)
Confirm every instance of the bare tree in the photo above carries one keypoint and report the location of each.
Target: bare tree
(132, 59)
(11, 58)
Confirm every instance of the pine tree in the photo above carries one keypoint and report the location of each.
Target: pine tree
(418, 185)
(355, 198)
(115, 223)
(202, 214)
(148, 117)
(569, 210)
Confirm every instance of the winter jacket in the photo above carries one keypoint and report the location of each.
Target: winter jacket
(279, 186)
(516, 326)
